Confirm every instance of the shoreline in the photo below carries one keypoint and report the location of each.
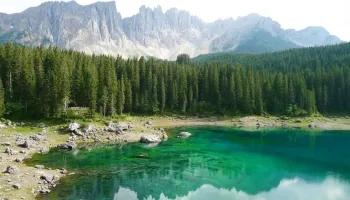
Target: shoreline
(34, 180)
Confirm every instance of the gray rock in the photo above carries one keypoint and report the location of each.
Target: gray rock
(41, 125)
(117, 127)
(11, 151)
(6, 144)
(12, 170)
(150, 139)
(18, 160)
(3, 126)
(35, 137)
(148, 123)
(16, 186)
(63, 171)
(8, 123)
(50, 178)
(184, 134)
(25, 144)
(68, 145)
(39, 166)
(298, 121)
(73, 127)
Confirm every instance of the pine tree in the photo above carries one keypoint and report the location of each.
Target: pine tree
(2, 100)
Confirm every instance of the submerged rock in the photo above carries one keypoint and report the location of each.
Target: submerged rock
(143, 156)
(150, 139)
(185, 134)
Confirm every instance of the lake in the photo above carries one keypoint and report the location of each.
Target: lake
(214, 163)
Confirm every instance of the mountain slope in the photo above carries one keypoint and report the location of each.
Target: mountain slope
(99, 28)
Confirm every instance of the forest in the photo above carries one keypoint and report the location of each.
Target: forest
(45, 82)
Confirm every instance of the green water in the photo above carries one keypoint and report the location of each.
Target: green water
(215, 163)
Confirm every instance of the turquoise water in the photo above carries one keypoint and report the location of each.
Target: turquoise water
(215, 163)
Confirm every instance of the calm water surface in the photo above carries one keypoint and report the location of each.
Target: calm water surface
(215, 163)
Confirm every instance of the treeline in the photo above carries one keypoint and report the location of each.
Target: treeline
(39, 82)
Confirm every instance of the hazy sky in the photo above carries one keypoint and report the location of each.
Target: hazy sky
(334, 15)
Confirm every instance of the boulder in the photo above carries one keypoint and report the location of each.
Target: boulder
(6, 144)
(164, 136)
(150, 139)
(162, 130)
(12, 170)
(10, 151)
(185, 134)
(8, 123)
(50, 178)
(88, 128)
(117, 127)
(148, 123)
(39, 166)
(24, 145)
(3, 126)
(63, 171)
(41, 125)
(35, 137)
(73, 127)
(18, 160)
(68, 145)
(298, 121)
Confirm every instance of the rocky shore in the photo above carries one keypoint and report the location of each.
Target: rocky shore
(19, 141)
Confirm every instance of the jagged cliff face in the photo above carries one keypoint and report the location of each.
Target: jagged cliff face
(98, 28)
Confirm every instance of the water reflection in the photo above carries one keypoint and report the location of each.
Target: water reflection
(288, 189)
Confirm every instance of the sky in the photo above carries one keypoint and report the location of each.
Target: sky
(333, 15)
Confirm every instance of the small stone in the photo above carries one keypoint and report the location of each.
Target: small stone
(16, 186)
(19, 160)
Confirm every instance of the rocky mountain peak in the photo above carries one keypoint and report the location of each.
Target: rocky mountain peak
(99, 28)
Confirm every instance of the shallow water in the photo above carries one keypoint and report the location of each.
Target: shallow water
(215, 163)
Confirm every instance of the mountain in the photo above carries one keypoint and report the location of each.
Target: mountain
(99, 28)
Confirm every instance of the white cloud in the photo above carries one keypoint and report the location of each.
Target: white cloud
(297, 14)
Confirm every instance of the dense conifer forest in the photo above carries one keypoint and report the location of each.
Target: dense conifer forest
(45, 82)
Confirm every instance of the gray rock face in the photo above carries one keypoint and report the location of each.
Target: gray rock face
(150, 139)
(99, 28)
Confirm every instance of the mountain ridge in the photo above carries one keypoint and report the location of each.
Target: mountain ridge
(99, 28)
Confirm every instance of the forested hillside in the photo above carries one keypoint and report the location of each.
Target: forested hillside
(45, 82)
